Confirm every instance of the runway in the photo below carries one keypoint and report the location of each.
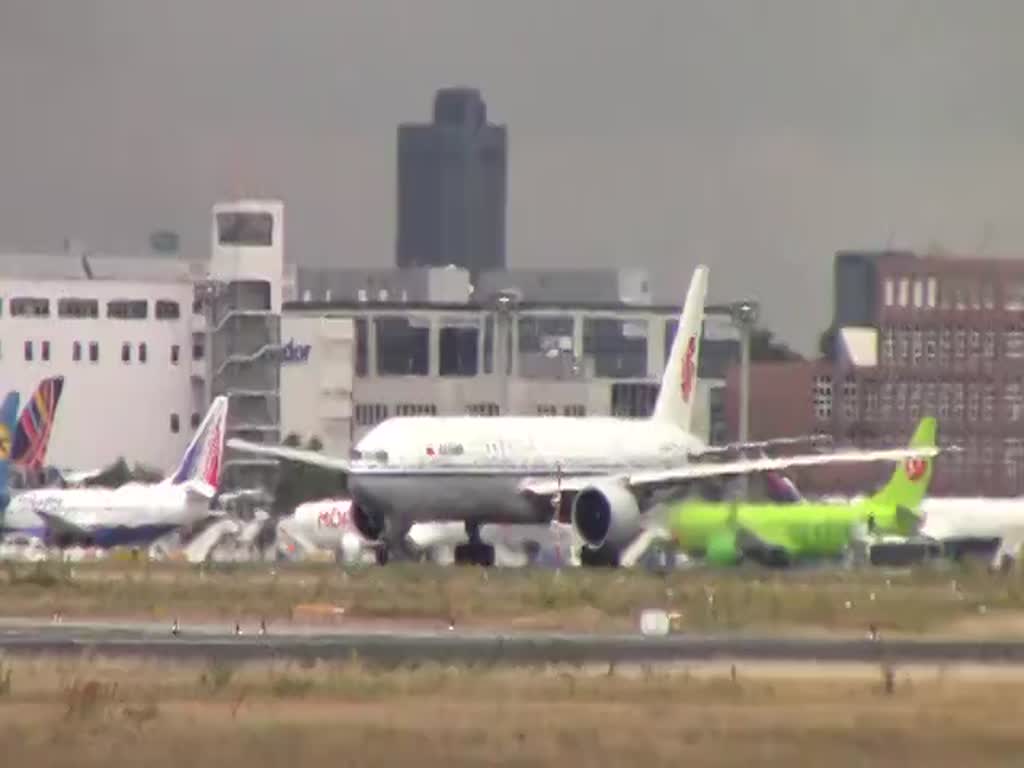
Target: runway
(475, 647)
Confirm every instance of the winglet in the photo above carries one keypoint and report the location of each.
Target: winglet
(679, 381)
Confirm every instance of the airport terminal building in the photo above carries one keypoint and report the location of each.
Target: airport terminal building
(145, 342)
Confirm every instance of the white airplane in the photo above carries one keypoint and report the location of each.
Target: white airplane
(134, 513)
(961, 524)
(325, 525)
(511, 469)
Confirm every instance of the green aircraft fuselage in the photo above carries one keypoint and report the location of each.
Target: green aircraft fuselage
(804, 530)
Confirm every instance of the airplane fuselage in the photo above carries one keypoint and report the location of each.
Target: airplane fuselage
(471, 468)
(130, 514)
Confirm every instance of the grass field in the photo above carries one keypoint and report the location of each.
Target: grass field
(108, 712)
(917, 601)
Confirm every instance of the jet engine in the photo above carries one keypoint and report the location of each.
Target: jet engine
(606, 513)
(722, 549)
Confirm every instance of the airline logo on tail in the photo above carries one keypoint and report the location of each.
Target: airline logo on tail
(915, 468)
(689, 369)
(204, 455)
(36, 423)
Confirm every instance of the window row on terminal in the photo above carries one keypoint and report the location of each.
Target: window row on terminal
(537, 346)
(81, 351)
(960, 292)
(85, 308)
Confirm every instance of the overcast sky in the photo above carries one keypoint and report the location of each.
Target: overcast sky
(757, 137)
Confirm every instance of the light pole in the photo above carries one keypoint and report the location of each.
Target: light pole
(744, 317)
(505, 304)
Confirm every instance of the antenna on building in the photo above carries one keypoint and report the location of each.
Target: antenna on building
(86, 268)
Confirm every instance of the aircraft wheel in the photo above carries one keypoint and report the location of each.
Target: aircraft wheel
(474, 554)
(605, 557)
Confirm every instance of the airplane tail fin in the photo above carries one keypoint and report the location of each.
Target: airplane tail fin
(200, 467)
(35, 424)
(8, 417)
(909, 482)
(679, 381)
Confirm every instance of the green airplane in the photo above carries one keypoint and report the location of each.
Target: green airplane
(726, 533)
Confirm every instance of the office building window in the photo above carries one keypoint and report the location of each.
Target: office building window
(78, 308)
(167, 310)
(547, 410)
(175, 425)
(143, 352)
(126, 352)
(403, 346)
(26, 306)
(483, 409)
(459, 349)
(175, 353)
(127, 309)
(416, 409)
(28, 351)
(46, 351)
(94, 352)
(574, 410)
(362, 347)
(194, 421)
(76, 351)
(198, 351)
(368, 414)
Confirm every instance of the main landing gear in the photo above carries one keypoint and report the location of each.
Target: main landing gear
(475, 551)
(605, 557)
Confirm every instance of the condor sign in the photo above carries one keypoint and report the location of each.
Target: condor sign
(293, 352)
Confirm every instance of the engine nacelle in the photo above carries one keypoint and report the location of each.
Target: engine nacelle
(606, 513)
(370, 526)
(723, 549)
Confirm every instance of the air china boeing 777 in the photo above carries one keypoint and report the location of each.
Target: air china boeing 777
(135, 513)
(508, 469)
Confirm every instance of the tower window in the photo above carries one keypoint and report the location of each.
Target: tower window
(76, 351)
(175, 425)
(94, 352)
(175, 353)
(126, 352)
(143, 353)
(28, 351)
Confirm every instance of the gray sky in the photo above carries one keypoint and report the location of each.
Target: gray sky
(758, 137)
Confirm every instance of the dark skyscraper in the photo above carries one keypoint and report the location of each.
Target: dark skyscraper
(452, 186)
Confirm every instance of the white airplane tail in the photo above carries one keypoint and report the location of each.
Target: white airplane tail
(200, 467)
(679, 381)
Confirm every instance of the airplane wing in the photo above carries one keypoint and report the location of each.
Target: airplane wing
(289, 454)
(649, 479)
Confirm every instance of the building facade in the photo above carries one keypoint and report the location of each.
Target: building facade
(914, 336)
(124, 348)
(452, 186)
(349, 366)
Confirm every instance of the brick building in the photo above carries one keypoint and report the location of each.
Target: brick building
(913, 335)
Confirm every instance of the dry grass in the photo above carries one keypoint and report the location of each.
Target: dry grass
(922, 600)
(112, 712)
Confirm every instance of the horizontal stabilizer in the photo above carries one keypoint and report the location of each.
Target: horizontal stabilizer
(200, 488)
(289, 454)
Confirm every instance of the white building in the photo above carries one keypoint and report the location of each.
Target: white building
(124, 346)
